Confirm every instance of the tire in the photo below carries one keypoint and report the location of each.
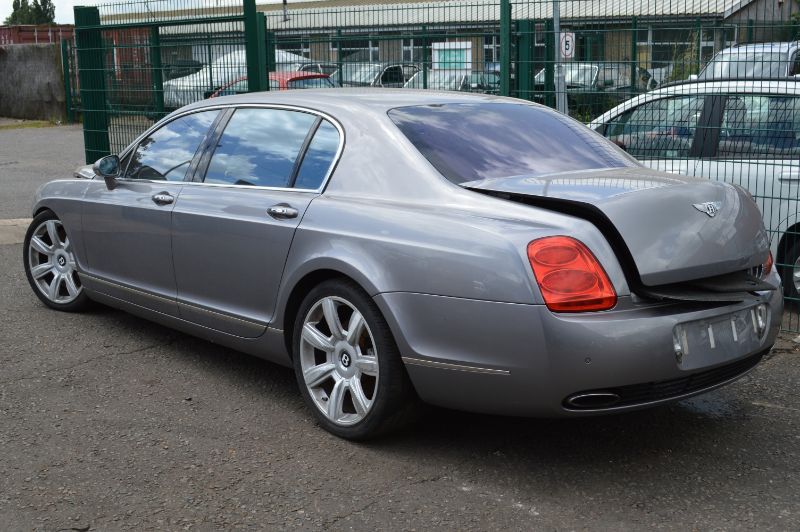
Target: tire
(350, 375)
(790, 270)
(49, 261)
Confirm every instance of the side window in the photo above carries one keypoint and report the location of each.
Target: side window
(167, 153)
(660, 129)
(760, 127)
(259, 147)
(794, 69)
(392, 75)
(274, 85)
(319, 157)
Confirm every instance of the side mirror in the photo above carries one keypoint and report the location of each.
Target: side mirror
(108, 168)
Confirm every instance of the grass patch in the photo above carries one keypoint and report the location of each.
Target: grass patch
(27, 124)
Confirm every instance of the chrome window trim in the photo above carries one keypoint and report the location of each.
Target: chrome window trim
(296, 108)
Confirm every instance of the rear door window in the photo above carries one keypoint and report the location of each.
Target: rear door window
(660, 129)
(319, 157)
(760, 127)
(259, 147)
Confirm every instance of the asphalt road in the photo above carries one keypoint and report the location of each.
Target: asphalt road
(110, 422)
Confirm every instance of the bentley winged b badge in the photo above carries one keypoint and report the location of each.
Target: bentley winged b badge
(711, 208)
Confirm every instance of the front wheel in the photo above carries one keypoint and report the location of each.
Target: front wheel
(50, 264)
(347, 364)
(791, 272)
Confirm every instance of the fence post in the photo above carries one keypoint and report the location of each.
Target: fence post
(89, 40)
(525, 45)
(634, 52)
(339, 64)
(70, 118)
(750, 29)
(424, 57)
(157, 72)
(255, 48)
(271, 47)
(505, 47)
(549, 64)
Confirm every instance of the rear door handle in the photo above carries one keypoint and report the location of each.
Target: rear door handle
(282, 211)
(163, 198)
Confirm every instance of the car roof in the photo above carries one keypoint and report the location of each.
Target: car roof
(333, 101)
(786, 86)
(760, 47)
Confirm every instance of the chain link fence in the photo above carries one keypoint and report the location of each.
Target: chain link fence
(700, 87)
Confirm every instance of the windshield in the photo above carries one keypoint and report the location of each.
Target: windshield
(735, 64)
(439, 80)
(582, 75)
(310, 83)
(476, 141)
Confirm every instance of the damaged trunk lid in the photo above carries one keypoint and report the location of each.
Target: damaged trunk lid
(665, 229)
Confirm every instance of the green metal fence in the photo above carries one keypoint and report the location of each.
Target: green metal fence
(138, 61)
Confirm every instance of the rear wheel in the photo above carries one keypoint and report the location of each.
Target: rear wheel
(50, 264)
(347, 364)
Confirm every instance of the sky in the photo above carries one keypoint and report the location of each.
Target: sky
(64, 7)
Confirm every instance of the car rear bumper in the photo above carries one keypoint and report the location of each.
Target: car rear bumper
(524, 360)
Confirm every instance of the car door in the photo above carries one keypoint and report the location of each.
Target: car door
(233, 226)
(661, 133)
(127, 230)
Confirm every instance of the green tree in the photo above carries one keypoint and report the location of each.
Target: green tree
(39, 12)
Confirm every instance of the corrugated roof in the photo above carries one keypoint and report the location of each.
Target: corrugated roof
(365, 13)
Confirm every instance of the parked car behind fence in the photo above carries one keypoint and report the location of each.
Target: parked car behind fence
(745, 132)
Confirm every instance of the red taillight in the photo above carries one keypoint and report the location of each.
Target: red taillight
(569, 276)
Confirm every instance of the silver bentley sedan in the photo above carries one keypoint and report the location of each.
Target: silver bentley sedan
(475, 252)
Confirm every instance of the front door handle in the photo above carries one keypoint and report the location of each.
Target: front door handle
(282, 211)
(163, 198)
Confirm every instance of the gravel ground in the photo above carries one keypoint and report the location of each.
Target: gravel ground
(109, 422)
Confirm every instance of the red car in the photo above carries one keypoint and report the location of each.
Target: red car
(280, 81)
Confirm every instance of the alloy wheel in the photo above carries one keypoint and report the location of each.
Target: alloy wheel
(796, 275)
(52, 263)
(339, 364)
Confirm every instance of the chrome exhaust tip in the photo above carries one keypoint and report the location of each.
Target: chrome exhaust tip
(592, 400)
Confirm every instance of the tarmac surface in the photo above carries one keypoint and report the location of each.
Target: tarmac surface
(110, 422)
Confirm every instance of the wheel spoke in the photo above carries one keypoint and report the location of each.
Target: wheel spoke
(360, 400)
(69, 282)
(354, 327)
(313, 336)
(39, 245)
(368, 365)
(52, 289)
(332, 318)
(52, 232)
(336, 400)
(37, 272)
(316, 375)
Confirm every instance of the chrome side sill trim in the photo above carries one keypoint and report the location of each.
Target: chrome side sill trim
(454, 367)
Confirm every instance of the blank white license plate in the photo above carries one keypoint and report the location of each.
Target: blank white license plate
(713, 341)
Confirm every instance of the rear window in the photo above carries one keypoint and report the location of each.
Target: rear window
(475, 141)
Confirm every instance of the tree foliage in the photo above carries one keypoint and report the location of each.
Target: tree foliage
(38, 12)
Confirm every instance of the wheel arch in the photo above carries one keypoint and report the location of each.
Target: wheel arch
(784, 243)
(303, 283)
